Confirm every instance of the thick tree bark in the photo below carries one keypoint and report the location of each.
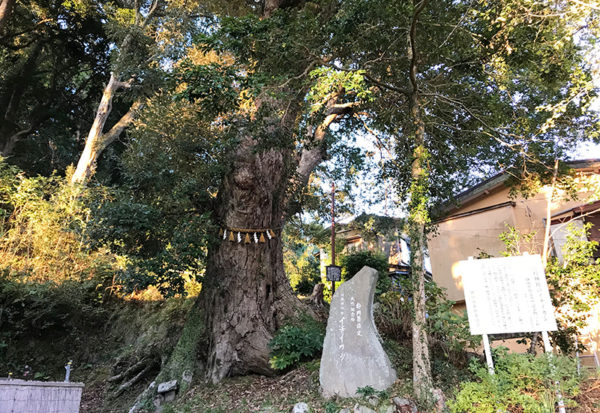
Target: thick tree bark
(418, 218)
(245, 291)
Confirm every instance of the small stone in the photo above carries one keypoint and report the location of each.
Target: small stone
(187, 376)
(386, 409)
(167, 386)
(363, 409)
(373, 400)
(345, 411)
(440, 400)
(404, 405)
(158, 400)
(300, 408)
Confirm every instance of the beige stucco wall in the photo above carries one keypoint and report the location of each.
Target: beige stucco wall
(459, 238)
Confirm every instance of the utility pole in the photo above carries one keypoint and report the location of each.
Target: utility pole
(332, 233)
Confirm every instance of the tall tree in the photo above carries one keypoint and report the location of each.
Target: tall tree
(149, 36)
(97, 139)
(461, 89)
(418, 215)
(246, 294)
(54, 55)
(282, 111)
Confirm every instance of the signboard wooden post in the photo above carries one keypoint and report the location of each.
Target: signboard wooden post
(508, 295)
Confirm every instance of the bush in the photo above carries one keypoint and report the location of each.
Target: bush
(448, 330)
(353, 263)
(393, 315)
(43, 224)
(294, 343)
(37, 310)
(301, 265)
(522, 383)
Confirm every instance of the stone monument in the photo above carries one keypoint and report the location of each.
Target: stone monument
(352, 353)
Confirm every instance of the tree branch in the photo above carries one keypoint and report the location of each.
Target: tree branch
(118, 127)
(383, 85)
(124, 85)
(150, 13)
(413, 45)
(312, 156)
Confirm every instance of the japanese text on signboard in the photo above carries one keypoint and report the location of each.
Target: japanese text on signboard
(507, 295)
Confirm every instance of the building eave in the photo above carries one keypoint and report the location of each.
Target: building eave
(491, 184)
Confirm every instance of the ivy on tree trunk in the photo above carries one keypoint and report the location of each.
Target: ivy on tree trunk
(417, 221)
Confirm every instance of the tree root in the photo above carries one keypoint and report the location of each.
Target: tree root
(128, 384)
(183, 363)
(130, 371)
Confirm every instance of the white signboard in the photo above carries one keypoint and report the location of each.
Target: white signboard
(507, 295)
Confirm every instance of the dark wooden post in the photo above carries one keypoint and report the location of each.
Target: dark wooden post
(332, 233)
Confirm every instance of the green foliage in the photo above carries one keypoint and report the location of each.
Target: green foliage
(301, 256)
(522, 383)
(298, 342)
(330, 81)
(44, 309)
(44, 227)
(211, 86)
(516, 242)
(54, 232)
(53, 63)
(366, 391)
(574, 284)
(353, 263)
(157, 250)
(332, 407)
(448, 330)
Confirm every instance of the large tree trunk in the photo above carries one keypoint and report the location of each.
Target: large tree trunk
(245, 291)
